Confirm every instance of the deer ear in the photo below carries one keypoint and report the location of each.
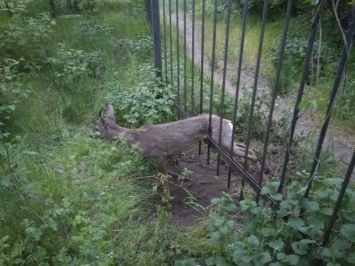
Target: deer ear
(109, 111)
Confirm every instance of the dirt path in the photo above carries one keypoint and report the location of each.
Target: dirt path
(340, 142)
(247, 74)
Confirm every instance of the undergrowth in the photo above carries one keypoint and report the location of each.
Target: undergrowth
(67, 199)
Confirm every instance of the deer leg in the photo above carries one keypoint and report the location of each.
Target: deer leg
(162, 177)
(239, 150)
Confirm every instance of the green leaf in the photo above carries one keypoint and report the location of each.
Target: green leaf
(264, 257)
(247, 204)
(231, 208)
(216, 237)
(238, 255)
(275, 264)
(253, 241)
(299, 248)
(188, 262)
(340, 245)
(295, 223)
(277, 196)
(292, 259)
(268, 231)
(264, 190)
(230, 224)
(281, 256)
(327, 211)
(348, 231)
(215, 201)
(312, 206)
(224, 230)
(218, 261)
(277, 245)
(351, 258)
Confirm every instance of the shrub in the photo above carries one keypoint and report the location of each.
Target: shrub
(147, 103)
(11, 92)
(289, 237)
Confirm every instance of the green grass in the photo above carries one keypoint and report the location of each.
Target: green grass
(68, 199)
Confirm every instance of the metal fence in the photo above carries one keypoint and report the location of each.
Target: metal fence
(198, 75)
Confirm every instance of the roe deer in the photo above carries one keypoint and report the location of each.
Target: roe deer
(160, 141)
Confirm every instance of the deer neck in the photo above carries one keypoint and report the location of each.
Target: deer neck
(115, 131)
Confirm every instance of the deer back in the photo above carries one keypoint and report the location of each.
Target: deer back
(172, 138)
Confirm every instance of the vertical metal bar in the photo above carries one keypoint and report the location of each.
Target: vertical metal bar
(225, 59)
(202, 54)
(193, 59)
(276, 84)
(343, 60)
(178, 50)
(156, 38)
(255, 86)
(239, 72)
(339, 200)
(202, 61)
(165, 45)
(185, 58)
(305, 73)
(212, 71)
(148, 9)
(171, 50)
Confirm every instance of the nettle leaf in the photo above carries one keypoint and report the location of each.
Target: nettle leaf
(188, 262)
(277, 196)
(218, 261)
(231, 208)
(349, 215)
(216, 237)
(281, 256)
(295, 223)
(268, 231)
(264, 257)
(275, 264)
(293, 259)
(247, 204)
(265, 190)
(238, 255)
(327, 211)
(351, 258)
(312, 206)
(230, 224)
(224, 230)
(348, 231)
(277, 245)
(218, 219)
(253, 241)
(215, 201)
(340, 245)
(299, 248)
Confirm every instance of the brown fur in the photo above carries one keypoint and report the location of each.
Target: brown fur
(158, 142)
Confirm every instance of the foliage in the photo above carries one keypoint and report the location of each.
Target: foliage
(322, 59)
(94, 30)
(147, 103)
(26, 38)
(11, 91)
(139, 47)
(289, 237)
(70, 64)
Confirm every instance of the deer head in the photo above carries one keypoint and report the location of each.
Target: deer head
(105, 127)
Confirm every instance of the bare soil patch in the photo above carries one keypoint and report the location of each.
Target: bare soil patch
(192, 195)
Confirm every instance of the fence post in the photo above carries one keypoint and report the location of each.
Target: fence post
(152, 7)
